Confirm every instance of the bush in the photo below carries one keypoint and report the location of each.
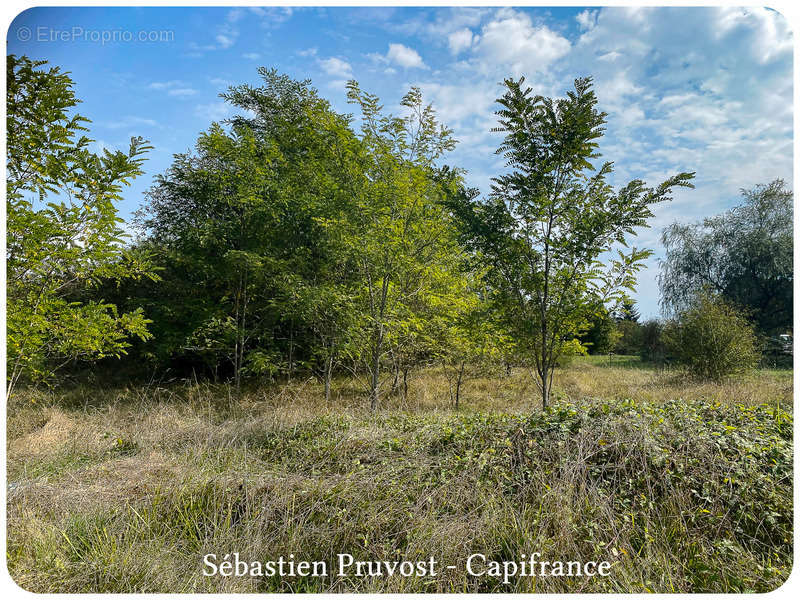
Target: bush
(712, 339)
(651, 344)
(601, 334)
(630, 338)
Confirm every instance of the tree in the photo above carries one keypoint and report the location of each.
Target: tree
(549, 219)
(468, 335)
(651, 342)
(399, 234)
(630, 337)
(627, 312)
(744, 255)
(63, 233)
(601, 334)
(712, 339)
(243, 220)
(208, 212)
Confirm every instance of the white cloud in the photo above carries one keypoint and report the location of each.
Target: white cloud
(213, 111)
(130, 121)
(445, 22)
(228, 32)
(165, 85)
(182, 92)
(336, 67)
(460, 40)
(512, 40)
(455, 103)
(251, 55)
(225, 40)
(405, 57)
(586, 19)
(271, 17)
(175, 87)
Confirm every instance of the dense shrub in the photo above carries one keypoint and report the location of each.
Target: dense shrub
(601, 334)
(651, 344)
(629, 338)
(712, 339)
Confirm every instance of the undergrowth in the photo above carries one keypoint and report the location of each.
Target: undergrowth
(688, 494)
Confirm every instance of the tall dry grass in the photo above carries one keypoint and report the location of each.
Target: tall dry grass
(682, 485)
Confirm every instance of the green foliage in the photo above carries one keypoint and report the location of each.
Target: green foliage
(399, 236)
(243, 221)
(744, 254)
(629, 339)
(298, 243)
(546, 223)
(712, 339)
(602, 333)
(652, 343)
(627, 312)
(63, 233)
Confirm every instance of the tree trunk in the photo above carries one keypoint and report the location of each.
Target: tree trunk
(458, 383)
(373, 391)
(328, 372)
(375, 371)
(547, 381)
(291, 350)
(405, 383)
(396, 380)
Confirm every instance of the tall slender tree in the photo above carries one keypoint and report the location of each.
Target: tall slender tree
(399, 232)
(548, 220)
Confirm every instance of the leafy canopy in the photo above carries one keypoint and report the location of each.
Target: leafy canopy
(744, 255)
(63, 233)
(549, 218)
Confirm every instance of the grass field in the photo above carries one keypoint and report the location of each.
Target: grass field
(682, 486)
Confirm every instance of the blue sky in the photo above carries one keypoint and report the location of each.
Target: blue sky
(687, 89)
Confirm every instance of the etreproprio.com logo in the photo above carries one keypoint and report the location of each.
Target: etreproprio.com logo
(96, 36)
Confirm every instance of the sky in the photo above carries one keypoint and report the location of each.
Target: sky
(686, 89)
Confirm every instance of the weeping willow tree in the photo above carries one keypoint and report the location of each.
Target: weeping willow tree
(743, 255)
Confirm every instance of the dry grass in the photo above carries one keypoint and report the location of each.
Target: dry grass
(125, 489)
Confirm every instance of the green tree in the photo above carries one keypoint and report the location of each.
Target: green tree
(63, 233)
(399, 234)
(627, 312)
(744, 254)
(712, 339)
(468, 334)
(651, 341)
(601, 334)
(208, 213)
(630, 337)
(548, 220)
(244, 221)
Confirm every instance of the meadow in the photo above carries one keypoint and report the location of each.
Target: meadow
(683, 486)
